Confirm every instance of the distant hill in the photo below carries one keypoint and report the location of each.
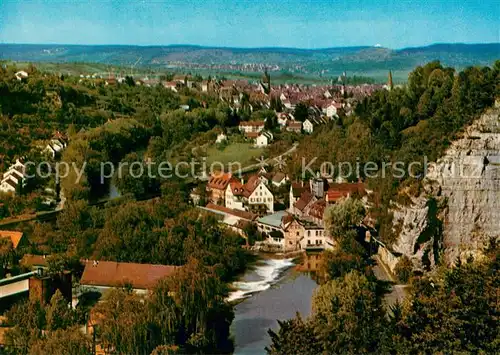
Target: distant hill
(326, 63)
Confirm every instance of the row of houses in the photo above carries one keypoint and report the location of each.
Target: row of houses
(302, 226)
(252, 195)
(15, 177)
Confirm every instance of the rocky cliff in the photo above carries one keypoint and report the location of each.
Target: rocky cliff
(459, 212)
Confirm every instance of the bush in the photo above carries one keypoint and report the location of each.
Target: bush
(404, 269)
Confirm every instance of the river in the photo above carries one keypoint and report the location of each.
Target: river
(271, 290)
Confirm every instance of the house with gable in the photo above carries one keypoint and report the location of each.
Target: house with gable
(56, 145)
(253, 196)
(16, 238)
(308, 126)
(251, 126)
(13, 177)
(333, 109)
(294, 126)
(216, 187)
(99, 276)
(263, 139)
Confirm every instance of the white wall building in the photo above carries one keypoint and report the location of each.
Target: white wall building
(308, 126)
(263, 139)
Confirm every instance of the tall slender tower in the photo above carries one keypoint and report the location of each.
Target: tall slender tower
(390, 84)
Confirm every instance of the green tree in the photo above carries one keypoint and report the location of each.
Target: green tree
(342, 217)
(191, 310)
(295, 336)
(347, 315)
(454, 310)
(6, 254)
(300, 112)
(58, 313)
(63, 342)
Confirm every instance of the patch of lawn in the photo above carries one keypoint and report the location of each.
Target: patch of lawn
(244, 153)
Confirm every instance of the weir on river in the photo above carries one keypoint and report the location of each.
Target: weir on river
(270, 291)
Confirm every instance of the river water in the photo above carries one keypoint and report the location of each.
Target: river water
(271, 290)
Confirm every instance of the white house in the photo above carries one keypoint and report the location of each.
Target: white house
(279, 179)
(221, 137)
(8, 186)
(332, 109)
(308, 126)
(283, 117)
(254, 195)
(172, 85)
(316, 237)
(20, 75)
(251, 126)
(263, 139)
(55, 147)
(14, 176)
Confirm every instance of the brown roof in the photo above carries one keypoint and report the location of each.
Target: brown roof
(305, 199)
(294, 124)
(219, 181)
(317, 209)
(14, 236)
(252, 134)
(238, 213)
(298, 188)
(278, 177)
(34, 260)
(251, 185)
(115, 274)
(337, 191)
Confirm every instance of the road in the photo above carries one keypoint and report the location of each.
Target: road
(382, 273)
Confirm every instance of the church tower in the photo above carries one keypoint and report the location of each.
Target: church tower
(390, 84)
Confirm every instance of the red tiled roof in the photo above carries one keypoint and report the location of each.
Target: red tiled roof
(219, 181)
(305, 199)
(338, 191)
(115, 274)
(317, 209)
(298, 188)
(238, 213)
(14, 236)
(278, 177)
(251, 185)
(294, 124)
(252, 134)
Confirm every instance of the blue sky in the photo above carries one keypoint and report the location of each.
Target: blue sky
(250, 23)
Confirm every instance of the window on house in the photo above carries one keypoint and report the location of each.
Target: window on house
(298, 233)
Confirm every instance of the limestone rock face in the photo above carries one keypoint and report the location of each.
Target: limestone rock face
(467, 180)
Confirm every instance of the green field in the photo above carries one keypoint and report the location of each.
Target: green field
(243, 153)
